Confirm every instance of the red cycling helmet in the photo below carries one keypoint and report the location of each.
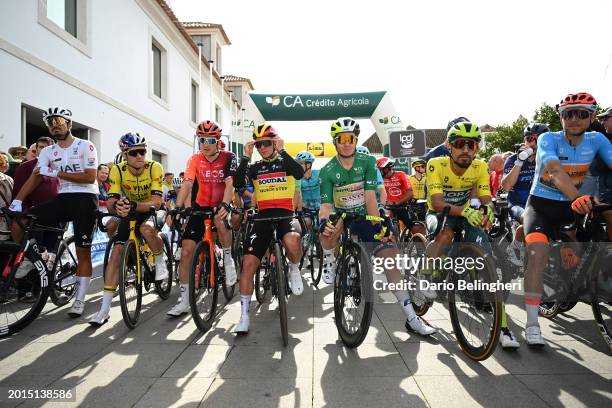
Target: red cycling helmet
(579, 100)
(384, 162)
(208, 128)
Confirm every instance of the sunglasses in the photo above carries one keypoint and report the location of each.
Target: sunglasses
(460, 143)
(207, 140)
(263, 143)
(575, 113)
(137, 152)
(346, 138)
(55, 121)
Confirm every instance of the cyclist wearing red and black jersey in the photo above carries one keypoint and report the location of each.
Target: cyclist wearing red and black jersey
(348, 183)
(213, 170)
(74, 163)
(274, 181)
(562, 161)
(399, 192)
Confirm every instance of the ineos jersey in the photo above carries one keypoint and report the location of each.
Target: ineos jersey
(210, 176)
(81, 155)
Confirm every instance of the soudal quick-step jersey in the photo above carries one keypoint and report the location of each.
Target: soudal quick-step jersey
(76, 158)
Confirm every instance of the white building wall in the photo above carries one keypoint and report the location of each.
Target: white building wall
(109, 89)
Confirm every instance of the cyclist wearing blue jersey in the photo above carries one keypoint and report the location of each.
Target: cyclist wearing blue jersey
(310, 183)
(562, 160)
(518, 177)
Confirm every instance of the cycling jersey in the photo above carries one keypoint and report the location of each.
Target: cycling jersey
(273, 180)
(345, 189)
(76, 158)
(136, 188)
(520, 191)
(441, 179)
(575, 160)
(211, 176)
(418, 187)
(311, 193)
(396, 186)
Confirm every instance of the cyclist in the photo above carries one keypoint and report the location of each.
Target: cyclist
(273, 179)
(381, 193)
(73, 162)
(442, 149)
(214, 172)
(518, 176)
(450, 181)
(562, 161)
(348, 183)
(140, 179)
(310, 193)
(417, 180)
(399, 191)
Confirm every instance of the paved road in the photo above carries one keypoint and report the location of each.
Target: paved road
(166, 362)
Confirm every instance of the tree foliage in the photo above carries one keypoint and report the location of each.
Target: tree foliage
(504, 138)
(548, 114)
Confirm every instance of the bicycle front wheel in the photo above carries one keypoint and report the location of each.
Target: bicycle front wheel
(64, 273)
(281, 291)
(602, 307)
(164, 287)
(475, 313)
(353, 296)
(316, 254)
(413, 246)
(130, 288)
(202, 292)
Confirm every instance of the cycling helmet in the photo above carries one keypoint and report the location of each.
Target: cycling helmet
(464, 130)
(362, 149)
(304, 156)
(118, 158)
(344, 124)
(453, 122)
(264, 130)
(57, 111)
(384, 162)
(579, 100)
(208, 128)
(535, 129)
(131, 139)
(418, 162)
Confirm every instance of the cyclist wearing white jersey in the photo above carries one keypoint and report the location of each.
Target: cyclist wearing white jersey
(74, 162)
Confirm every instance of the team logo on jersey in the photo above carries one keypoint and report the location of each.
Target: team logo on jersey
(431, 167)
(55, 153)
(91, 147)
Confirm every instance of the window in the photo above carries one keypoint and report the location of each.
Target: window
(204, 40)
(218, 114)
(157, 156)
(68, 19)
(218, 59)
(159, 67)
(194, 102)
(236, 93)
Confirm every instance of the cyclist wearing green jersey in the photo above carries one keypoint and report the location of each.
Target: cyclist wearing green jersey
(348, 183)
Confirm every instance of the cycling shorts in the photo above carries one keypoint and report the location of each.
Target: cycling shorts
(260, 235)
(123, 232)
(545, 216)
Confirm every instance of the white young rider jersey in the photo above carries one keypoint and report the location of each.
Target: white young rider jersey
(81, 155)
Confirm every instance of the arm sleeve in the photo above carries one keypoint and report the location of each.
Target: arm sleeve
(157, 172)
(371, 179)
(190, 170)
(292, 167)
(483, 181)
(509, 164)
(230, 166)
(114, 180)
(433, 181)
(90, 156)
(241, 171)
(43, 159)
(547, 148)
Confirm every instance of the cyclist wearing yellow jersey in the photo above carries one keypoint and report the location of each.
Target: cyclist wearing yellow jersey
(450, 181)
(417, 180)
(140, 179)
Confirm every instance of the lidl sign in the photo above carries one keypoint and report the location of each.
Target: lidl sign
(318, 150)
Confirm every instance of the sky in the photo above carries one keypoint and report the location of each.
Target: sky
(487, 60)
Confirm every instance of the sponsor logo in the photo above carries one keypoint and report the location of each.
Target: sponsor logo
(407, 141)
(317, 149)
(386, 119)
(273, 100)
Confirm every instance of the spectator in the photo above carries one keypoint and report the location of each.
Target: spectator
(45, 191)
(506, 155)
(4, 163)
(496, 169)
(6, 196)
(167, 185)
(31, 153)
(18, 153)
(103, 186)
(12, 164)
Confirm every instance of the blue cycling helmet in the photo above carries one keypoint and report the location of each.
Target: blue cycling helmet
(362, 149)
(131, 139)
(304, 156)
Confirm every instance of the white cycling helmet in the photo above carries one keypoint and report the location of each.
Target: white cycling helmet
(344, 124)
(57, 111)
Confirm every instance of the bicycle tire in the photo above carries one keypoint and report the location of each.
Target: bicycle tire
(262, 282)
(316, 253)
(60, 296)
(418, 242)
(490, 336)
(128, 278)
(163, 288)
(565, 307)
(41, 285)
(597, 306)
(200, 288)
(358, 286)
(281, 292)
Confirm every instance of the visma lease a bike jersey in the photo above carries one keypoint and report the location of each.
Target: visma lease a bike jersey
(76, 158)
(575, 160)
(136, 188)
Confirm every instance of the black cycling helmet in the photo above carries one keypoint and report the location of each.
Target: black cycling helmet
(535, 129)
